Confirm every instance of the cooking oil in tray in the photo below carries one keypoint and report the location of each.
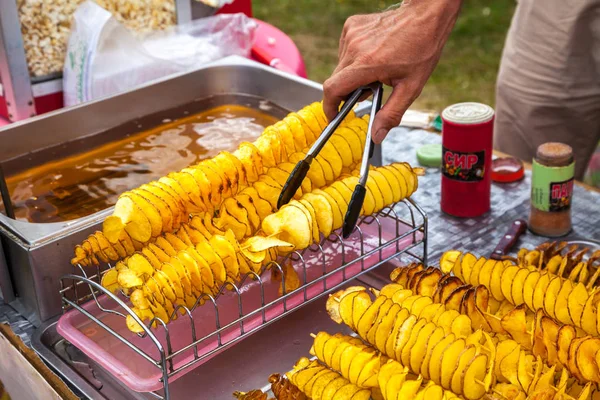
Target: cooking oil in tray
(83, 184)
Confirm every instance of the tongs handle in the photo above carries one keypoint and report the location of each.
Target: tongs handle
(301, 169)
(358, 197)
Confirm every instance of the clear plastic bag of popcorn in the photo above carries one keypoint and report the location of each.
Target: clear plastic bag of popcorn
(104, 57)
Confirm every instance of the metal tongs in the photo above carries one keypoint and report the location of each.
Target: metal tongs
(299, 173)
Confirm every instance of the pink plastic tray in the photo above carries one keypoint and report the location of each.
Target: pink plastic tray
(140, 375)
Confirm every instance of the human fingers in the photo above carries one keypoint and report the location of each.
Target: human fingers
(342, 83)
(391, 113)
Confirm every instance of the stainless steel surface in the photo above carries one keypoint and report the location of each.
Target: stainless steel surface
(201, 10)
(38, 254)
(410, 222)
(245, 366)
(358, 196)
(5, 195)
(15, 79)
(14, 72)
(183, 11)
(6, 288)
(377, 89)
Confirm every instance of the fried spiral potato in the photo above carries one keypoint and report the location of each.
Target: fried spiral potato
(354, 360)
(283, 389)
(184, 270)
(571, 303)
(318, 382)
(564, 260)
(161, 206)
(395, 382)
(559, 345)
(242, 213)
(301, 222)
(420, 344)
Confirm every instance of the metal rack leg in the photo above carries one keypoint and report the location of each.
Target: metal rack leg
(14, 72)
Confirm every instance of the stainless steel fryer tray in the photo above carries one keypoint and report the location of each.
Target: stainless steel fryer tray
(245, 366)
(38, 254)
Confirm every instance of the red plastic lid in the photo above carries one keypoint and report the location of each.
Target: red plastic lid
(507, 169)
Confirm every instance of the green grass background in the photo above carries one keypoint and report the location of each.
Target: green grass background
(466, 72)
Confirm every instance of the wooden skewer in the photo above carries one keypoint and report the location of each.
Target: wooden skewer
(499, 394)
(480, 382)
(312, 335)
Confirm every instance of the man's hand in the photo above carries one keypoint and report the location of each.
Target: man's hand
(399, 48)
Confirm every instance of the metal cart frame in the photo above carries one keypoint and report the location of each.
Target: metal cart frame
(17, 86)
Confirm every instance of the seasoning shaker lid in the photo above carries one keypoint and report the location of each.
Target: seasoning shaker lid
(554, 154)
(468, 113)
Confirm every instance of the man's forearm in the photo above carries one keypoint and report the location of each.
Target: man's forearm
(437, 17)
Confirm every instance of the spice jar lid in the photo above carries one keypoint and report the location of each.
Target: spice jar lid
(554, 154)
(468, 113)
(507, 169)
(430, 155)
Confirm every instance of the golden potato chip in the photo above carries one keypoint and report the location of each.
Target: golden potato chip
(192, 267)
(260, 243)
(281, 176)
(246, 202)
(331, 155)
(561, 308)
(175, 187)
(127, 216)
(383, 185)
(298, 135)
(165, 286)
(159, 204)
(226, 220)
(110, 280)
(291, 225)
(266, 152)
(208, 223)
(359, 127)
(550, 296)
(184, 275)
(224, 162)
(316, 175)
(343, 149)
(310, 134)
(263, 207)
(268, 189)
(128, 279)
(249, 158)
(336, 214)
(195, 235)
(326, 167)
(140, 265)
(311, 121)
(323, 212)
(376, 194)
(400, 181)
(183, 236)
(290, 281)
(285, 134)
(313, 216)
(219, 187)
(288, 168)
(177, 243)
(226, 252)
(344, 188)
(148, 210)
(188, 183)
(355, 141)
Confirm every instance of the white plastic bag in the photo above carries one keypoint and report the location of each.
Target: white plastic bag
(104, 58)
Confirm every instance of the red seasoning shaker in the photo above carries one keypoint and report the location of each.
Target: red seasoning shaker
(467, 135)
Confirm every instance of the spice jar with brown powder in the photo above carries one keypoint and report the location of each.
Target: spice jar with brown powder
(553, 172)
